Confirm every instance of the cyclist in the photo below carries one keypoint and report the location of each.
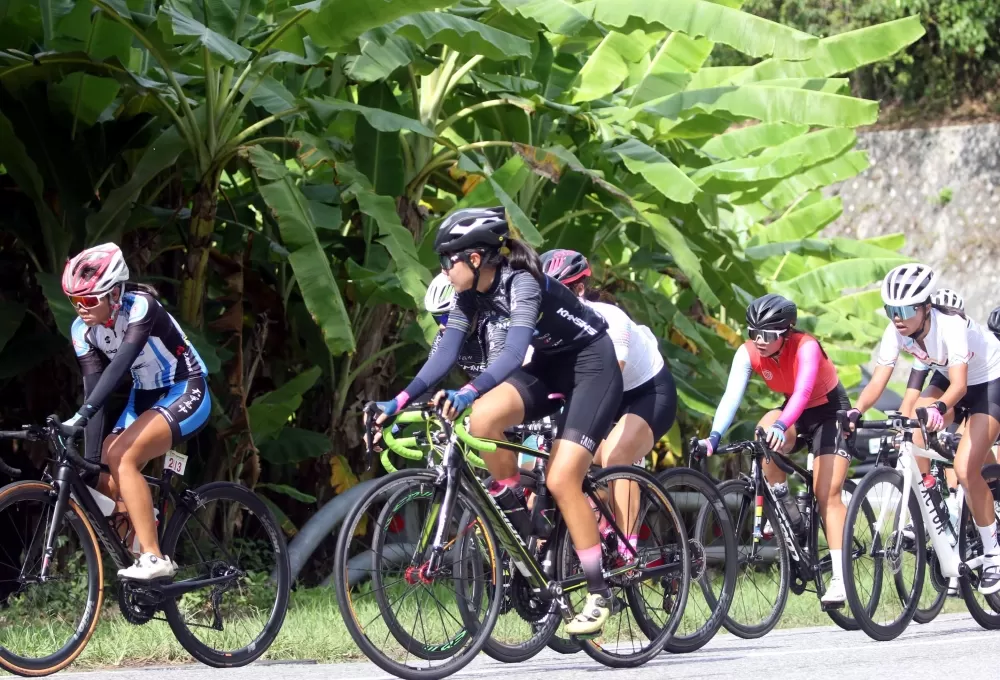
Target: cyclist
(966, 364)
(121, 327)
(793, 363)
(573, 355)
(994, 322)
(649, 399)
(946, 297)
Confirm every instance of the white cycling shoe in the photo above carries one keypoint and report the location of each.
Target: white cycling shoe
(989, 582)
(835, 593)
(149, 567)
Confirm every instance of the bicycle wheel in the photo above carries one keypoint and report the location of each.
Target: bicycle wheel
(883, 610)
(714, 559)
(227, 532)
(763, 569)
(44, 625)
(842, 617)
(935, 591)
(985, 609)
(415, 613)
(648, 593)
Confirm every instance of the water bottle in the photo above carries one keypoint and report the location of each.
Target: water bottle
(791, 508)
(106, 505)
(804, 503)
(513, 507)
(952, 502)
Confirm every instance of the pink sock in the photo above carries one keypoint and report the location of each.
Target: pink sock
(510, 481)
(633, 541)
(590, 558)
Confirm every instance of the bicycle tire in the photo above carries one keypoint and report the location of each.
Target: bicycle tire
(929, 613)
(864, 611)
(466, 649)
(712, 516)
(844, 621)
(82, 630)
(280, 574)
(970, 545)
(748, 630)
(609, 655)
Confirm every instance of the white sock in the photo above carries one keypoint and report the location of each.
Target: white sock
(837, 561)
(989, 536)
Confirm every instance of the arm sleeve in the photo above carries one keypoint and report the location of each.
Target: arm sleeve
(440, 362)
(525, 301)
(918, 376)
(510, 359)
(140, 323)
(739, 377)
(807, 361)
(94, 433)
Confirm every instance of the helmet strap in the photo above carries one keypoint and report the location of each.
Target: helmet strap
(925, 326)
(115, 306)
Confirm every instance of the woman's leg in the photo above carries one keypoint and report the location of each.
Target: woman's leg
(929, 396)
(772, 473)
(629, 442)
(147, 438)
(981, 431)
(494, 412)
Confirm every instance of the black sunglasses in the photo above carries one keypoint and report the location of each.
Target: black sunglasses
(448, 261)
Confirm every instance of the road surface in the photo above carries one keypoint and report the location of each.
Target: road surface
(953, 646)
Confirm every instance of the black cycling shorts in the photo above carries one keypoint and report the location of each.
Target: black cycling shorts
(186, 407)
(817, 426)
(981, 398)
(590, 379)
(655, 401)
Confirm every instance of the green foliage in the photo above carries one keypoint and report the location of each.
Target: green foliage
(960, 56)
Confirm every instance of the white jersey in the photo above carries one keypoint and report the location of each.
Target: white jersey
(951, 340)
(634, 344)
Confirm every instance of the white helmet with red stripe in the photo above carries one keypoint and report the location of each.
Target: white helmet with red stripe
(95, 271)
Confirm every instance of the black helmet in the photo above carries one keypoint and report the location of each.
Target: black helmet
(565, 266)
(772, 313)
(472, 228)
(994, 322)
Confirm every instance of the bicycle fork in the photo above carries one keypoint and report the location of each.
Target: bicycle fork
(61, 484)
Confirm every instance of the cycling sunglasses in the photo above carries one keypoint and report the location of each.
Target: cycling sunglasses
(448, 261)
(86, 301)
(904, 312)
(441, 319)
(767, 336)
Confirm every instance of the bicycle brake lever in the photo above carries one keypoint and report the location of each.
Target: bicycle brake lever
(371, 412)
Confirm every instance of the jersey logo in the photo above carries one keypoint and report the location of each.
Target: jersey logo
(180, 350)
(576, 321)
(767, 374)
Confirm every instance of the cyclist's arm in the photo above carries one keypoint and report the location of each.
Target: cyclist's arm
(914, 385)
(958, 360)
(525, 303)
(885, 362)
(739, 378)
(438, 364)
(140, 323)
(807, 360)
(958, 377)
(91, 368)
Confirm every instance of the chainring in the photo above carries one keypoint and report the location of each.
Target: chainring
(528, 605)
(132, 611)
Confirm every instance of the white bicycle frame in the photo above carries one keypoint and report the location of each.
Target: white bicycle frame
(936, 526)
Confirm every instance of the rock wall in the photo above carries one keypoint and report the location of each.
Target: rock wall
(941, 187)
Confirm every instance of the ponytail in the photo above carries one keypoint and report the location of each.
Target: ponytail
(519, 256)
(950, 311)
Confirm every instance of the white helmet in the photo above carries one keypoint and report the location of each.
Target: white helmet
(440, 296)
(946, 297)
(909, 284)
(95, 271)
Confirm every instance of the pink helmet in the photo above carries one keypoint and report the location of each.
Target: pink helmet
(95, 271)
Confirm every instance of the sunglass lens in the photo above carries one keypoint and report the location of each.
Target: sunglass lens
(903, 312)
(766, 336)
(446, 262)
(86, 301)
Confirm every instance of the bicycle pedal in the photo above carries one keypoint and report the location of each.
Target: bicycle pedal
(585, 637)
(831, 606)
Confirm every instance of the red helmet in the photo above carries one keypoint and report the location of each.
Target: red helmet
(95, 271)
(565, 266)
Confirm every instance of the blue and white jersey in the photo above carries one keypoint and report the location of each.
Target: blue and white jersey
(166, 358)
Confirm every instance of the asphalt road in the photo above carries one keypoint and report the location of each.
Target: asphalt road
(951, 646)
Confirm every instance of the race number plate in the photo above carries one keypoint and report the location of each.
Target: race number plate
(175, 462)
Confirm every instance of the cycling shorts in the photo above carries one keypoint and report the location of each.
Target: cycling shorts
(817, 426)
(186, 407)
(655, 401)
(981, 398)
(590, 379)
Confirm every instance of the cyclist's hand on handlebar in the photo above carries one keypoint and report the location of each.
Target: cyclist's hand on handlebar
(932, 418)
(386, 410)
(776, 437)
(455, 401)
(705, 447)
(76, 421)
(853, 416)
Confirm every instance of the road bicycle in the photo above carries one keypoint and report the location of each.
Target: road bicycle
(444, 551)
(773, 558)
(895, 547)
(225, 605)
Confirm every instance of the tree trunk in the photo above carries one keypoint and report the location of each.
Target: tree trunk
(194, 278)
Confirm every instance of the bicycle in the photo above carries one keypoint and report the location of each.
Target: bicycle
(452, 554)
(890, 549)
(62, 529)
(771, 565)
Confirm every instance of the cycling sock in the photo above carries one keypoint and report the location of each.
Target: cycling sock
(590, 560)
(512, 482)
(837, 562)
(989, 536)
(633, 541)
